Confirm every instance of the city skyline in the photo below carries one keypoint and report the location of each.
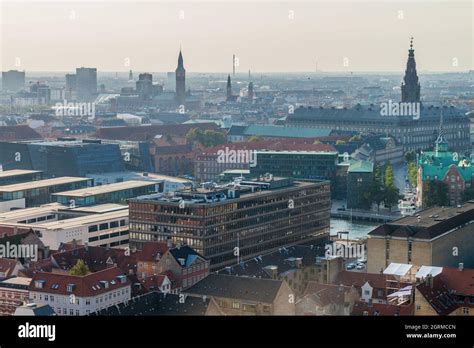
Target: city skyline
(265, 37)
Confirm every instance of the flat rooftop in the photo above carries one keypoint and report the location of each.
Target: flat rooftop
(298, 152)
(245, 193)
(16, 172)
(98, 209)
(97, 190)
(78, 221)
(17, 281)
(41, 183)
(139, 176)
(428, 224)
(19, 214)
(433, 216)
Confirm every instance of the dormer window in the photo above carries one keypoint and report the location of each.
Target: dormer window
(39, 284)
(70, 287)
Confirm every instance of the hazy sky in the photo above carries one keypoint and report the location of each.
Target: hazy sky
(266, 36)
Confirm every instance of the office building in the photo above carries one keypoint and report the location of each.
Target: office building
(86, 84)
(112, 193)
(34, 193)
(13, 80)
(64, 157)
(16, 176)
(255, 217)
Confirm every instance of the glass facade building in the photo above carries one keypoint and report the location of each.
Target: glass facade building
(62, 158)
(112, 193)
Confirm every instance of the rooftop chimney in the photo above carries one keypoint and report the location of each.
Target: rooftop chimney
(461, 266)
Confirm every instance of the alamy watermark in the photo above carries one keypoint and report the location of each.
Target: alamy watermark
(75, 109)
(13, 251)
(237, 156)
(345, 251)
(391, 108)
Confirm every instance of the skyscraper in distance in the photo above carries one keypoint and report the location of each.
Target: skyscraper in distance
(86, 83)
(180, 81)
(229, 88)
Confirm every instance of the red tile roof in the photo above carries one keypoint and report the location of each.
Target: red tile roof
(152, 251)
(358, 279)
(146, 133)
(44, 265)
(438, 296)
(96, 258)
(326, 294)
(154, 282)
(283, 144)
(21, 132)
(84, 286)
(7, 266)
(381, 309)
(460, 281)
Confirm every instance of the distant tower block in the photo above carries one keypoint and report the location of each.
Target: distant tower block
(229, 88)
(250, 91)
(411, 85)
(130, 76)
(180, 81)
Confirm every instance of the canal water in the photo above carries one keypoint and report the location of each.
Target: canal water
(357, 229)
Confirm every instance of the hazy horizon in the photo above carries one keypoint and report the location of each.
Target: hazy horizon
(267, 37)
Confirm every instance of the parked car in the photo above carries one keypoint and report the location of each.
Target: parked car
(351, 266)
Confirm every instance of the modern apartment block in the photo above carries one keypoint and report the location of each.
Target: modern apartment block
(234, 222)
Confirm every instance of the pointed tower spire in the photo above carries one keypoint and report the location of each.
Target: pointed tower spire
(441, 144)
(180, 80)
(410, 84)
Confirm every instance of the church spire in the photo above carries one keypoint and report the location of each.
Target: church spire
(410, 84)
(180, 80)
(441, 144)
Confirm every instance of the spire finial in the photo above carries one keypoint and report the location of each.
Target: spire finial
(411, 42)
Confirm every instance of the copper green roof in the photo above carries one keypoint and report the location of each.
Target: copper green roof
(437, 165)
(361, 167)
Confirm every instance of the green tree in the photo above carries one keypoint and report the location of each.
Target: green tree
(375, 194)
(355, 138)
(79, 269)
(389, 180)
(410, 156)
(340, 142)
(435, 192)
(412, 173)
(207, 138)
(391, 193)
(254, 138)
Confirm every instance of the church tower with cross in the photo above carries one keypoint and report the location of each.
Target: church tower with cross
(410, 84)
